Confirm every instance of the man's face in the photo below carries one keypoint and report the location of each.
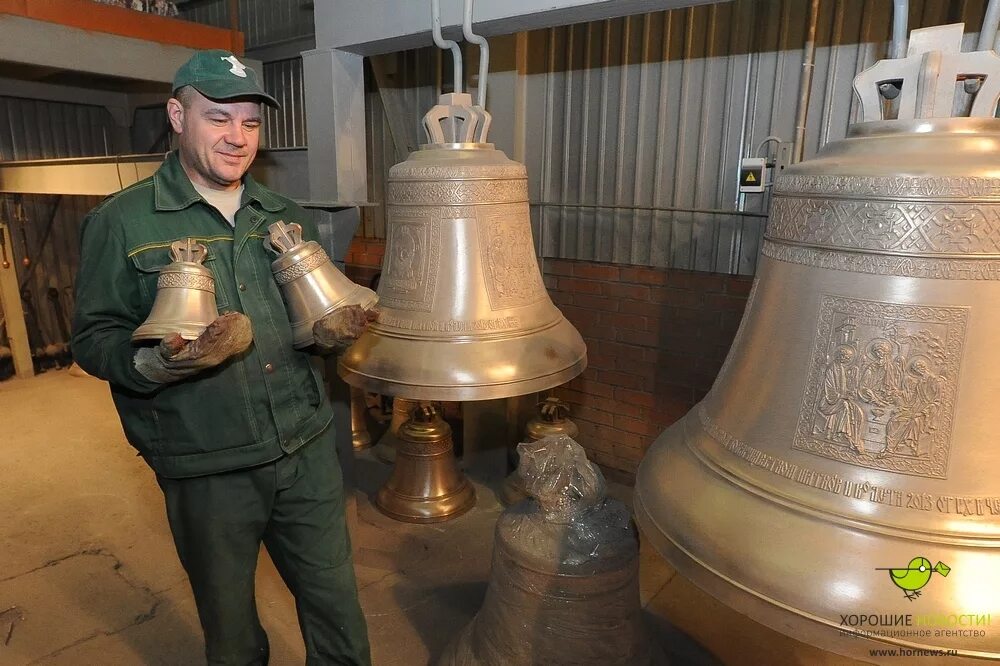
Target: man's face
(218, 140)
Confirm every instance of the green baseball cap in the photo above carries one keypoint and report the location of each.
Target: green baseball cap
(219, 75)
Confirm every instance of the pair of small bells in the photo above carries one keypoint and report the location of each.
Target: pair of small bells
(310, 284)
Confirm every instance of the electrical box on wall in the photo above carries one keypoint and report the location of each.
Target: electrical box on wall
(753, 172)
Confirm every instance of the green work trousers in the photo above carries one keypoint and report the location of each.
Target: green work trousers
(295, 506)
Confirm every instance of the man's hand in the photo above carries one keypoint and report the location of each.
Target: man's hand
(338, 330)
(176, 358)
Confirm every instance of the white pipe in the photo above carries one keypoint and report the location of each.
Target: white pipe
(900, 23)
(456, 53)
(805, 89)
(988, 33)
(484, 53)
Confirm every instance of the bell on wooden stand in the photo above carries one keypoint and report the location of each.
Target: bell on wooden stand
(843, 465)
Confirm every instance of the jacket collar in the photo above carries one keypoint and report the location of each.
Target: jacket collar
(174, 191)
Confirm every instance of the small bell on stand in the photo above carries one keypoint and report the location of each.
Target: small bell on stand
(426, 485)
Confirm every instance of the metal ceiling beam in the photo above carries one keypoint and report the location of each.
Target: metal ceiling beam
(370, 27)
(98, 176)
(80, 50)
(348, 30)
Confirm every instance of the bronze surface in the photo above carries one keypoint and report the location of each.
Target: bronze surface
(426, 485)
(849, 435)
(185, 296)
(361, 439)
(464, 312)
(311, 285)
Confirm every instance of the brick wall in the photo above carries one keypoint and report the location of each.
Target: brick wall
(655, 339)
(364, 259)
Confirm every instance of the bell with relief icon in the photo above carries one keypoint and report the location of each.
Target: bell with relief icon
(841, 480)
(310, 284)
(185, 296)
(464, 312)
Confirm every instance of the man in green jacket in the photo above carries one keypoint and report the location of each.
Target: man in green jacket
(236, 424)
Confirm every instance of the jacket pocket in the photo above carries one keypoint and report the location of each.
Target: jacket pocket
(149, 262)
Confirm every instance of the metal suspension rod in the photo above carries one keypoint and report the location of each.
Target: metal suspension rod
(442, 43)
(988, 33)
(808, 65)
(900, 22)
(484, 52)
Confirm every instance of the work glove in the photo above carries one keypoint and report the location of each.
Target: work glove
(175, 358)
(338, 330)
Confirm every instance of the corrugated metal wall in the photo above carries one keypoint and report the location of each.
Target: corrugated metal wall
(285, 127)
(635, 126)
(640, 122)
(263, 22)
(401, 87)
(45, 229)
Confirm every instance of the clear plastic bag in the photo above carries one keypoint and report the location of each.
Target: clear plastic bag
(564, 582)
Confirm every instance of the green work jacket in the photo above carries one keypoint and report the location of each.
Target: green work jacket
(250, 410)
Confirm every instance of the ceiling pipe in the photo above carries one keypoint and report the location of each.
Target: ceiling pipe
(988, 33)
(900, 22)
(456, 52)
(805, 89)
(484, 52)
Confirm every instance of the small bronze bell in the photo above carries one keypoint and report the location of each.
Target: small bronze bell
(185, 295)
(385, 449)
(360, 437)
(426, 485)
(310, 284)
(550, 420)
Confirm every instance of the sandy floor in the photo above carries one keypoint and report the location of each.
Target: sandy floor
(88, 574)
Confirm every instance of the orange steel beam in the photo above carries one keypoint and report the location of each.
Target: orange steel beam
(88, 15)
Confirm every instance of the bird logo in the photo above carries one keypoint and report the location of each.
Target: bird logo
(912, 578)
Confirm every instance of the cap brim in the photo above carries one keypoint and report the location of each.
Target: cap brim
(222, 91)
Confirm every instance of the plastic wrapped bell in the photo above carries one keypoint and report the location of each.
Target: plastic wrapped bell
(552, 418)
(564, 586)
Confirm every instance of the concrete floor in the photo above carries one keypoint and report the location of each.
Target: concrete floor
(88, 574)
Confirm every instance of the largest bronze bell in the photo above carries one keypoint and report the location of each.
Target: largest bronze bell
(464, 312)
(841, 480)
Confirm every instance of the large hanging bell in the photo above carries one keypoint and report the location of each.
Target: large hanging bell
(185, 295)
(841, 480)
(310, 284)
(464, 312)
